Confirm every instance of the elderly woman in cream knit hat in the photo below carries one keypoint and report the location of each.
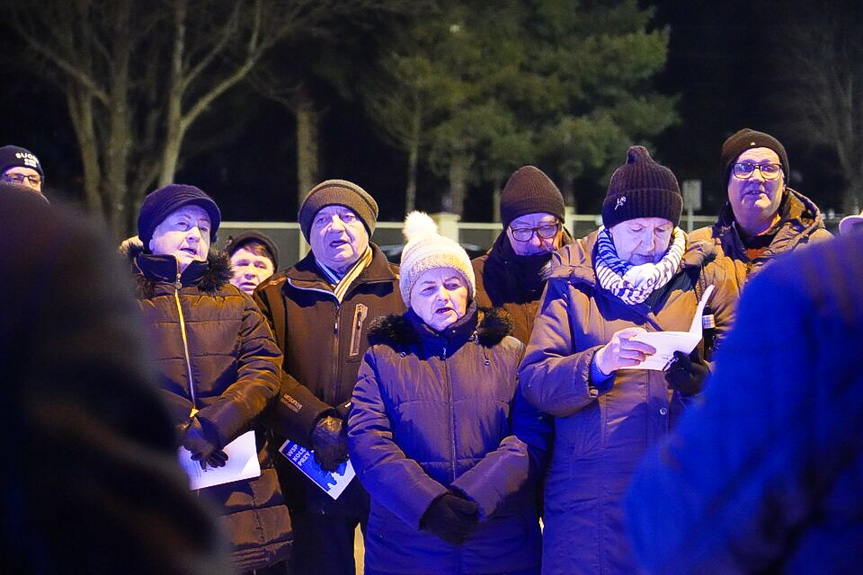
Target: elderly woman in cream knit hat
(438, 433)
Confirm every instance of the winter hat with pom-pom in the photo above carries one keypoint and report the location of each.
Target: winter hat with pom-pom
(426, 250)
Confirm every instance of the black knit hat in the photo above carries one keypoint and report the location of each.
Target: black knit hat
(239, 240)
(338, 193)
(529, 191)
(158, 205)
(641, 188)
(746, 139)
(15, 156)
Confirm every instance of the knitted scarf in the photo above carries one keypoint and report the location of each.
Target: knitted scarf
(634, 284)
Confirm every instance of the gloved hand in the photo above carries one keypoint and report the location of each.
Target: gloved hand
(451, 518)
(687, 373)
(330, 443)
(204, 449)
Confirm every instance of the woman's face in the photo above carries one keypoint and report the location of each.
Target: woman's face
(439, 297)
(642, 240)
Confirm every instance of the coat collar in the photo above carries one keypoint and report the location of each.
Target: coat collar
(306, 274)
(401, 332)
(149, 269)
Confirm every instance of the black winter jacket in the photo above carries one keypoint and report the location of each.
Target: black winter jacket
(214, 352)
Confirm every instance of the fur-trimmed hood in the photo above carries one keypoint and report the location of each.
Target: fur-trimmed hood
(400, 331)
(149, 270)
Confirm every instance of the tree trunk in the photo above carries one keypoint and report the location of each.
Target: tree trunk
(458, 170)
(413, 158)
(307, 143)
(568, 192)
(81, 113)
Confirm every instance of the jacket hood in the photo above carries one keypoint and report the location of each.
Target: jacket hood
(398, 331)
(149, 270)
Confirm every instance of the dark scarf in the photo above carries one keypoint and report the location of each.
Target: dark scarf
(513, 278)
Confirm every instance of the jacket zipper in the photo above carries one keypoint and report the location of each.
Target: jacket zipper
(360, 313)
(177, 286)
(336, 363)
(451, 414)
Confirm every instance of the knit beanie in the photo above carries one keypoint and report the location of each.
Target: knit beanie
(529, 191)
(641, 188)
(746, 139)
(339, 193)
(158, 205)
(237, 241)
(427, 250)
(14, 156)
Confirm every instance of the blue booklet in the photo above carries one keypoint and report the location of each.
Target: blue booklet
(333, 482)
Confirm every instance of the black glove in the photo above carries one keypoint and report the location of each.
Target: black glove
(204, 449)
(687, 373)
(451, 518)
(330, 443)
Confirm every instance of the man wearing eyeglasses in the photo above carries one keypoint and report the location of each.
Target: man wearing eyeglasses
(763, 217)
(510, 274)
(20, 166)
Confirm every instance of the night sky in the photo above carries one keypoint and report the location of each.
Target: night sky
(716, 63)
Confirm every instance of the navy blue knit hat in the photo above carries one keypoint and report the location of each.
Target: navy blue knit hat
(641, 188)
(15, 156)
(158, 205)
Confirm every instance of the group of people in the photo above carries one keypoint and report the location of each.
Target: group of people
(474, 397)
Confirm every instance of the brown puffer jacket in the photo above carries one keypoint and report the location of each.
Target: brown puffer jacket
(801, 224)
(234, 363)
(323, 343)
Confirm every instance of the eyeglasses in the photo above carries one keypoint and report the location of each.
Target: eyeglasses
(34, 181)
(545, 232)
(745, 171)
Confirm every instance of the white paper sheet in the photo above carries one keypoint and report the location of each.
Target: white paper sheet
(242, 464)
(667, 342)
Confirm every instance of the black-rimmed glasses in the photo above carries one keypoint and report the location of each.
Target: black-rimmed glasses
(34, 181)
(744, 171)
(544, 231)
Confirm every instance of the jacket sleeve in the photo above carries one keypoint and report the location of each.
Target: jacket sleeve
(554, 379)
(518, 459)
(398, 483)
(258, 367)
(729, 490)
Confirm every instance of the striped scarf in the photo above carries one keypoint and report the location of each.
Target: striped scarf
(634, 284)
(340, 285)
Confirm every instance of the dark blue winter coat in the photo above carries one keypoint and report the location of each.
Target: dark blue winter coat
(767, 475)
(438, 410)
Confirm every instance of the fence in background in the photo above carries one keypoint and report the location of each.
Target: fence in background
(476, 237)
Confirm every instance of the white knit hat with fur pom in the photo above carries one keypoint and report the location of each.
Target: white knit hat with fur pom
(426, 250)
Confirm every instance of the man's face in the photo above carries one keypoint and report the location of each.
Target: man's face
(250, 269)
(545, 233)
(24, 176)
(756, 199)
(184, 234)
(338, 237)
(642, 240)
(439, 297)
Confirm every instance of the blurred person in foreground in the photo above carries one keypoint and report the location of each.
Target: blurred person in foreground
(766, 475)
(90, 481)
(254, 258)
(217, 362)
(511, 274)
(638, 273)
(763, 218)
(851, 224)
(439, 433)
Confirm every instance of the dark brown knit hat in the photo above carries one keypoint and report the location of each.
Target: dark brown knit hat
(641, 188)
(338, 193)
(529, 191)
(746, 139)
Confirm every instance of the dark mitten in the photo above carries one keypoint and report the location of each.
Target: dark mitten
(687, 373)
(204, 449)
(451, 518)
(330, 443)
